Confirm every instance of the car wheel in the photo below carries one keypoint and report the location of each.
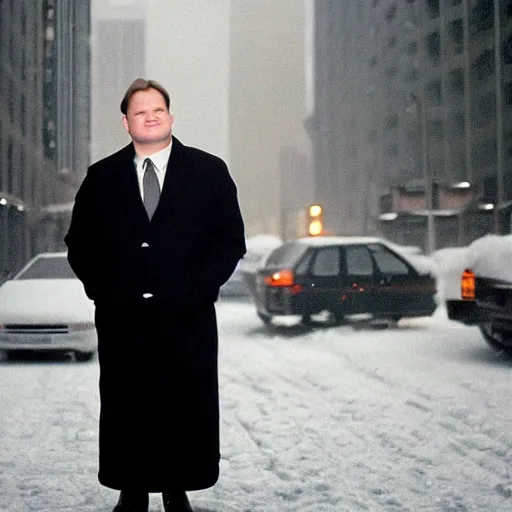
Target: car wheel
(338, 318)
(497, 339)
(83, 357)
(6, 354)
(306, 319)
(266, 319)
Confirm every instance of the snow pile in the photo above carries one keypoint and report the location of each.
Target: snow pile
(448, 265)
(491, 256)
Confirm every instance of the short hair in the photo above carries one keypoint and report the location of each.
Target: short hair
(141, 84)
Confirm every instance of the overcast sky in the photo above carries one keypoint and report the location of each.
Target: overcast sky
(189, 54)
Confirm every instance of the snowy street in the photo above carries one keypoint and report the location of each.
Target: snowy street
(314, 419)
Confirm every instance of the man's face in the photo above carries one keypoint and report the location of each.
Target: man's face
(148, 120)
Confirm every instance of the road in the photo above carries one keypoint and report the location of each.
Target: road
(316, 419)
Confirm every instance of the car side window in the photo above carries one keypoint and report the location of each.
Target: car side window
(387, 262)
(359, 261)
(303, 266)
(327, 262)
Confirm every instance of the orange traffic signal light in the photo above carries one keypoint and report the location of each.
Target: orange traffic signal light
(316, 220)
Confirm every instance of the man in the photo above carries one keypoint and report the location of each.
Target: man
(156, 230)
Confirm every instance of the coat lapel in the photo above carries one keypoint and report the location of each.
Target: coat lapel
(173, 181)
(129, 185)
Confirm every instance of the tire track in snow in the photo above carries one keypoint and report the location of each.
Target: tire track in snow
(341, 430)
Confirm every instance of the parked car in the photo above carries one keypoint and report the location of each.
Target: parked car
(485, 291)
(44, 308)
(343, 276)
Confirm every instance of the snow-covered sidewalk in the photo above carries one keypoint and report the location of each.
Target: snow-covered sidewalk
(414, 417)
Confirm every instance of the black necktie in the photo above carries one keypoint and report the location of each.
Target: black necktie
(151, 187)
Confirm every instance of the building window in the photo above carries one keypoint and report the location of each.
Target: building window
(22, 171)
(433, 8)
(23, 22)
(482, 15)
(392, 121)
(10, 99)
(508, 93)
(434, 93)
(436, 130)
(453, 3)
(385, 203)
(22, 120)
(392, 42)
(456, 81)
(391, 13)
(456, 34)
(433, 42)
(412, 48)
(485, 107)
(484, 154)
(23, 64)
(507, 50)
(458, 123)
(373, 62)
(10, 163)
(483, 65)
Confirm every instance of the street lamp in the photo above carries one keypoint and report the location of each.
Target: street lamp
(426, 171)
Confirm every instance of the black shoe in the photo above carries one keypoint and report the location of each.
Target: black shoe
(130, 501)
(176, 501)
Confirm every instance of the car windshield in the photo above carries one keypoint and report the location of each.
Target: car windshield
(49, 268)
(286, 255)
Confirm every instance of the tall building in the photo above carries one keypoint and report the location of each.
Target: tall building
(411, 126)
(269, 147)
(44, 120)
(118, 58)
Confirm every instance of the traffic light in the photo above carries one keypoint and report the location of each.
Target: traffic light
(316, 220)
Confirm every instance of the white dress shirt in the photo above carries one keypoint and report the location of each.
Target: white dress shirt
(159, 160)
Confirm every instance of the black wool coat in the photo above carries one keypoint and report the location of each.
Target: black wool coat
(159, 416)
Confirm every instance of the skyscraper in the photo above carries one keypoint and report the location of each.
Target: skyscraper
(411, 127)
(44, 118)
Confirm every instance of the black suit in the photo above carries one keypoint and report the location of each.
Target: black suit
(158, 356)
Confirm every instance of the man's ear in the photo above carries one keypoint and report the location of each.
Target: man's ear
(125, 124)
(172, 120)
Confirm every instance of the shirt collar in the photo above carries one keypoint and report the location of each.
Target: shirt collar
(159, 159)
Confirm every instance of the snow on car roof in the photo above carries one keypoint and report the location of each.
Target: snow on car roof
(491, 256)
(340, 240)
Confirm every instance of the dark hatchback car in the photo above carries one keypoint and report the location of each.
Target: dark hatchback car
(344, 276)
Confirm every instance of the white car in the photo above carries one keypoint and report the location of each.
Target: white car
(44, 308)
